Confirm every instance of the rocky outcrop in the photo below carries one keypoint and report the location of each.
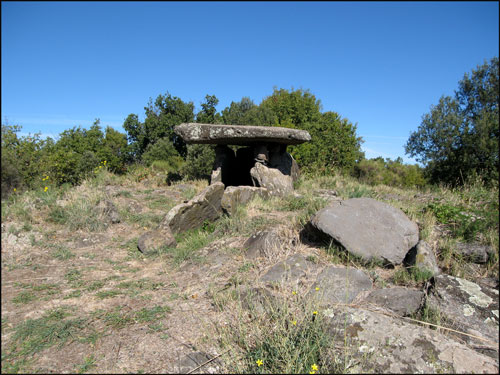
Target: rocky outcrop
(377, 343)
(238, 195)
(368, 229)
(466, 306)
(272, 179)
(239, 134)
(204, 206)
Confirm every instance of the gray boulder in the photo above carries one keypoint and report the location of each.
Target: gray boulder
(339, 285)
(377, 343)
(466, 306)
(204, 206)
(272, 179)
(368, 229)
(261, 244)
(239, 134)
(237, 195)
(151, 241)
(422, 257)
(402, 301)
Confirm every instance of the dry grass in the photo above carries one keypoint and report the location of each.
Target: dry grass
(121, 311)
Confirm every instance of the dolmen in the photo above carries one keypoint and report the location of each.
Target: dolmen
(262, 162)
(260, 166)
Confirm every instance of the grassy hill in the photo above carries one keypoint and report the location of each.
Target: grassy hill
(77, 295)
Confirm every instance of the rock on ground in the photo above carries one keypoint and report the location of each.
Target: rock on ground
(151, 241)
(474, 252)
(258, 300)
(190, 362)
(466, 306)
(289, 271)
(205, 206)
(368, 229)
(237, 195)
(402, 301)
(261, 244)
(381, 344)
(109, 210)
(422, 257)
(272, 179)
(339, 285)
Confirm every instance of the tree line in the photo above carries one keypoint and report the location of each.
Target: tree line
(456, 141)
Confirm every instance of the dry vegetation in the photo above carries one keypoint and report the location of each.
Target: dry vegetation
(77, 295)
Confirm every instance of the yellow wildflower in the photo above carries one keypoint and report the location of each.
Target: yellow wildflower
(294, 322)
(15, 189)
(314, 367)
(46, 188)
(259, 362)
(317, 288)
(312, 372)
(315, 312)
(294, 292)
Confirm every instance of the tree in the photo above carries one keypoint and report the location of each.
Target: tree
(293, 108)
(162, 116)
(334, 144)
(458, 139)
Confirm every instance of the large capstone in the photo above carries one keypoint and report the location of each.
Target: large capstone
(368, 229)
(239, 134)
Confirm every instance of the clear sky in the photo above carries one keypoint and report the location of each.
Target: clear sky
(379, 64)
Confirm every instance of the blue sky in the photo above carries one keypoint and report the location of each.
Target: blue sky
(379, 64)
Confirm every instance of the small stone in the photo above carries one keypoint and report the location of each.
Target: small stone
(109, 210)
(261, 244)
(151, 241)
(422, 258)
(289, 271)
(474, 252)
(191, 361)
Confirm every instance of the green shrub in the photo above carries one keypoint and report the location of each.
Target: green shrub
(199, 162)
(388, 172)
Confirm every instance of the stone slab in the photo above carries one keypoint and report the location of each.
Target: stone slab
(239, 134)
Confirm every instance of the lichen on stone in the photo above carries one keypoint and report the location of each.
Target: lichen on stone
(477, 297)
